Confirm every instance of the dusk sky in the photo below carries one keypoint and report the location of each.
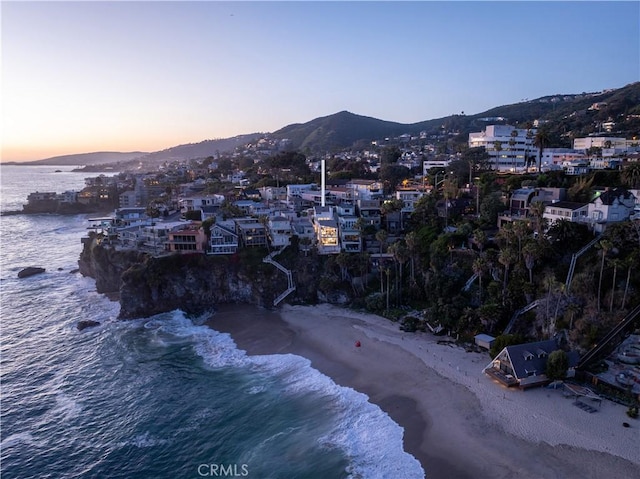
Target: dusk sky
(122, 76)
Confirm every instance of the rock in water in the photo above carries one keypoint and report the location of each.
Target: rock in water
(87, 323)
(30, 271)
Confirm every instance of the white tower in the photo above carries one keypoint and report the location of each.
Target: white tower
(322, 183)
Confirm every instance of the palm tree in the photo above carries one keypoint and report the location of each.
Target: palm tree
(512, 146)
(632, 262)
(542, 141)
(412, 246)
(480, 238)
(549, 282)
(615, 263)
(381, 237)
(399, 252)
(497, 147)
(479, 266)
(630, 175)
(343, 260)
(531, 252)
(536, 209)
(506, 258)
(604, 246)
(520, 230)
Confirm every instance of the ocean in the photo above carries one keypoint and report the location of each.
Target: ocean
(157, 397)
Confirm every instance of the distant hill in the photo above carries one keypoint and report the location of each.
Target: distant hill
(342, 130)
(202, 149)
(96, 158)
(568, 116)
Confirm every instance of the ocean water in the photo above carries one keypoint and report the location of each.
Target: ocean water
(158, 397)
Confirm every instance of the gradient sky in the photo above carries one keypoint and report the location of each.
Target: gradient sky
(122, 76)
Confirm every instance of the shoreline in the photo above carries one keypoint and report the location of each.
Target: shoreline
(458, 423)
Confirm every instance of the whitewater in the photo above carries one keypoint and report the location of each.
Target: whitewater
(164, 396)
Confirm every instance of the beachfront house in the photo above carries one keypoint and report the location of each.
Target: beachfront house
(524, 365)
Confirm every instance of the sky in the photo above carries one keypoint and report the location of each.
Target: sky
(91, 76)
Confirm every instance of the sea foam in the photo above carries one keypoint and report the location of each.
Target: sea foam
(372, 441)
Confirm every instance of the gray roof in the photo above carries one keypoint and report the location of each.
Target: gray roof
(530, 357)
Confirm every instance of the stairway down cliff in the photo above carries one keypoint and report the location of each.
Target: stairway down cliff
(194, 283)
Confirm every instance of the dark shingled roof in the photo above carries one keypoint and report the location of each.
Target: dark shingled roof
(609, 196)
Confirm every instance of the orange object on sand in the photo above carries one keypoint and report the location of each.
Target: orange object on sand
(357, 344)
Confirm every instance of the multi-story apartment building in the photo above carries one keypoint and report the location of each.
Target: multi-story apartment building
(510, 148)
(584, 144)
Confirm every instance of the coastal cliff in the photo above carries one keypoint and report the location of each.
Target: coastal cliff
(194, 283)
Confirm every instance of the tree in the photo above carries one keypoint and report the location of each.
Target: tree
(411, 239)
(506, 258)
(490, 208)
(531, 252)
(381, 237)
(630, 175)
(512, 147)
(497, 147)
(631, 262)
(479, 266)
(542, 140)
(604, 246)
(536, 209)
(557, 365)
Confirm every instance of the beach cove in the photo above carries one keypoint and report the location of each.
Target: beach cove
(458, 423)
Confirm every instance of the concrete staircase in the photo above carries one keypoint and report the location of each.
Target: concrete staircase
(291, 287)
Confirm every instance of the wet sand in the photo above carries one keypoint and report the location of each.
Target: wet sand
(458, 423)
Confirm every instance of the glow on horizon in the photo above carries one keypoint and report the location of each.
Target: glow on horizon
(80, 77)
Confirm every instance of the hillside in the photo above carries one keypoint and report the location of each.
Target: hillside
(202, 149)
(568, 116)
(96, 158)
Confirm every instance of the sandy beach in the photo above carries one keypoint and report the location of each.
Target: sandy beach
(458, 422)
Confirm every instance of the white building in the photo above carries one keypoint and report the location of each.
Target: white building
(326, 229)
(611, 206)
(516, 146)
(599, 142)
(566, 210)
(279, 231)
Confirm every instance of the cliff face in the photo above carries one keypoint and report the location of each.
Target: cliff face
(106, 264)
(193, 283)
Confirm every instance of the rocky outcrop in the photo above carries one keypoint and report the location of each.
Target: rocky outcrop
(105, 263)
(196, 283)
(30, 271)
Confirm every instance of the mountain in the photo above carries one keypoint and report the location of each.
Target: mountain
(342, 130)
(567, 116)
(202, 149)
(96, 158)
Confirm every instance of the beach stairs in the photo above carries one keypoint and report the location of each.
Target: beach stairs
(470, 282)
(611, 339)
(291, 287)
(574, 259)
(519, 312)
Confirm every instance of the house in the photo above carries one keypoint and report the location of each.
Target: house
(189, 238)
(524, 365)
(326, 229)
(251, 232)
(223, 240)
(279, 231)
(566, 210)
(611, 206)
